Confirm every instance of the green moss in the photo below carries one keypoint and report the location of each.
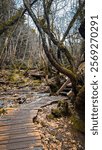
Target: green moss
(60, 103)
(81, 92)
(50, 116)
(14, 77)
(2, 111)
(36, 82)
(42, 21)
(17, 76)
(61, 110)
(10, 21)
(77, 123)
(63, 106)
(57, 113)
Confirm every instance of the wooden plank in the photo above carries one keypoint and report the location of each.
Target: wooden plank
(16, 118)
(20, 145)
(20, 113)
(15, 126)
(17, 139)
(20, 131)
(15, 122)
(17, 130)
(63, 86)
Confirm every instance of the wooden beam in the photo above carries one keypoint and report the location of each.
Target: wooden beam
(63, 86)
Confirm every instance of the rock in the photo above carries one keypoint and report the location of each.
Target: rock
(63, 106)
(61, 110)
(56, 113)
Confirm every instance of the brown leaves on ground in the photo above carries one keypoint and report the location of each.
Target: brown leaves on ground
(58, 133)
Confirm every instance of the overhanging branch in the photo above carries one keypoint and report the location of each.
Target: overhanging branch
(6, 25)
(72, 21)
(48, 53)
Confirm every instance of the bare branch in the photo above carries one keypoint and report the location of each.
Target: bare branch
(6, 25)
(48, 53)
(72, 21)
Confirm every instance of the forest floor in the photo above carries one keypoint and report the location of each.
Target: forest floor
(55, 133)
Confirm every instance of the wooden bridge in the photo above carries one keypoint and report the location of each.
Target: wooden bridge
(17, 130)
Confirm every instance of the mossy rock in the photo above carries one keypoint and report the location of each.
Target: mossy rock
(61, 110)
(61, 102)
(63, 106)
(78, 124)
(57, 113)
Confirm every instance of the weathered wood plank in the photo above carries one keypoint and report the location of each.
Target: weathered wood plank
(22, 145)
(20, 131)
(17, 131)
(21, 138)
(3, 128)
(15, 122)
(63, 86)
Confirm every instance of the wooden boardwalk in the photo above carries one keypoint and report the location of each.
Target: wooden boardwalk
(17, 130)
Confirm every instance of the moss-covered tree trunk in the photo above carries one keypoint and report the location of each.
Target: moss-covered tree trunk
(45, 29)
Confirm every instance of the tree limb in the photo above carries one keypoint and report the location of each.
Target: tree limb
(72, 21)
(48, 53)
(10, 22)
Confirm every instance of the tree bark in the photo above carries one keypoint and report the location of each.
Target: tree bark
(10, 22)
(49, 53)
